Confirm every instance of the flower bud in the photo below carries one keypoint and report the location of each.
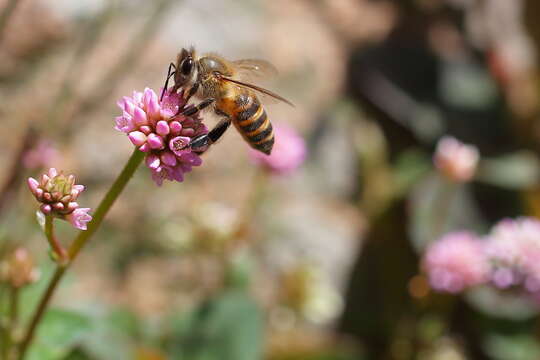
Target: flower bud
(57, 194)
(455, 160)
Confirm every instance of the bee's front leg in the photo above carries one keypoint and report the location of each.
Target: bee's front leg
(195, 109)
(201, 143)
(170, 73)
(192, 91)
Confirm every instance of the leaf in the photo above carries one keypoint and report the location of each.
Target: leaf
(410, 167)
(438, 207)
(59, 331)
(502, 305)
(519, 347)
(70, 335)
(78, 354)
(228, 327)
(112, 335)
(514, 171)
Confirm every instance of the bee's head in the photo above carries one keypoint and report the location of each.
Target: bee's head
(186, 68)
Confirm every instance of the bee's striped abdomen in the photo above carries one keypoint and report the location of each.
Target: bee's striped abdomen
(252, 122)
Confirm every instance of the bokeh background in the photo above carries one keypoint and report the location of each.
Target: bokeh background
(237, 263)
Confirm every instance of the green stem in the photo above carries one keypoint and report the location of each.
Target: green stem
(83, 237)
(14, 307)
(11, 325)
(59, 251)
(4, 326)
(105, 205)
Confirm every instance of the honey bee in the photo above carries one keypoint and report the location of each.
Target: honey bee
(224, 85)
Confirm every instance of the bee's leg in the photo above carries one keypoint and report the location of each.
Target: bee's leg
(192, 91)
(169, 74)
(201, 143)
(195, 109)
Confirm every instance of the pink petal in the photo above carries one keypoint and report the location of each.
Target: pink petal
(188, 132)
(175, 127)
(52, 173)
(46, 209)
(155, 141)
(139, 117)
(137, 138)
(147, 95)
(152, 161)
(79, 188)
(177, 174)
(168, 158)
(192, 159)
(33, 184)
(162, 128)
(146, 129)
(129, 106)
(178, 145)
(72, 206)
(79, 218)
(153, 107)
(58, 206)
(145, 148)
(156, 176)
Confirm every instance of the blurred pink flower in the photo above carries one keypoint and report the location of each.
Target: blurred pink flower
(58, 195)
(456, 262)
(513, 247)
(153, 127)
(456, 160)
(288, 154)
(41, 155)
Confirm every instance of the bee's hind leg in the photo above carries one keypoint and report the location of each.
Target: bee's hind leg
(201, 143)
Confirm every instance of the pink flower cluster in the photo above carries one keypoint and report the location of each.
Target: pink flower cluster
(515, 252)
(509, 256)
(154, 128)
(455, 160)
(288, 153)
(456, 262)
(58, 195)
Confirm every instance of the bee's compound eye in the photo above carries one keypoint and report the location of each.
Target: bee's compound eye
(187, 66)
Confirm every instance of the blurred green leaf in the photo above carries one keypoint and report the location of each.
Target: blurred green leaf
(70, 335)
(467, 85)
(124, 321)
(514, 171)
(238, 272)
(112, 335)
(58, 332)
(78, 354)
(438, 207)
(228, 327)
(520, 347)
(410, 166)
(500, 304)
(320, 356)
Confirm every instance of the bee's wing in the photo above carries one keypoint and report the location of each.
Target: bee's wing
(254, 70)
(259, 89)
